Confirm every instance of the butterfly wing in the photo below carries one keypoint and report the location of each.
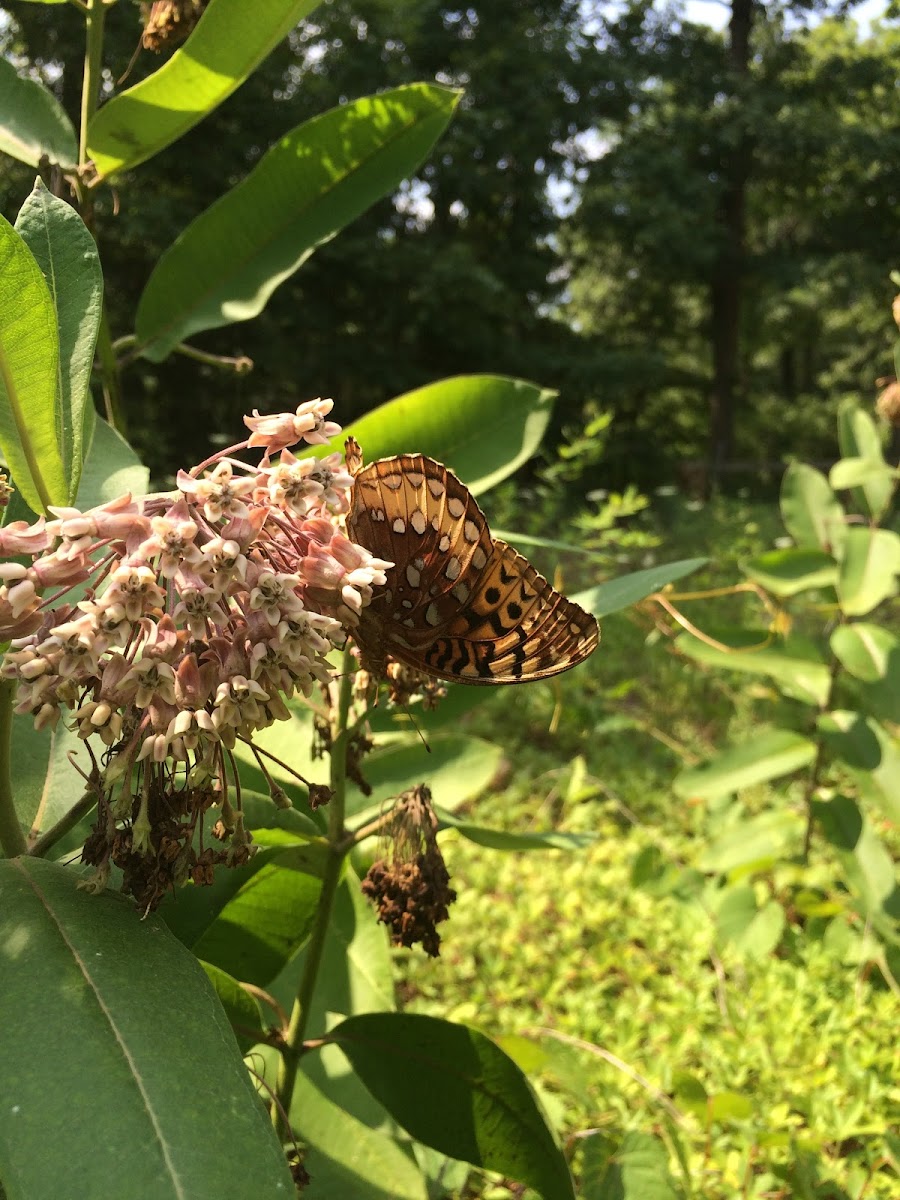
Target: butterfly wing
(457, 604)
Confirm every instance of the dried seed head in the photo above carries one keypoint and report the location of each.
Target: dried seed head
(410, 887)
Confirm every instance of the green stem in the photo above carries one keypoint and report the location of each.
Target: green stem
(90, 88)
(292, 1049)
(12, 839)
(240, 365)
(109, 374)
(49, 839)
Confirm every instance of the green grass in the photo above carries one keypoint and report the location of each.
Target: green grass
(765, 1074)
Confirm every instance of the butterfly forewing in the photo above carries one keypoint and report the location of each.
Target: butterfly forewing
(457, 604)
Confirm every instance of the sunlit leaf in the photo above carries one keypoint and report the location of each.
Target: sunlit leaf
(787, 572)
(768, 755)
(309, 185)
(871, 754)
(620, 593)
(67, 256)
(859, 438)
(437, 420)
(29, 359)
(795, 663)
(229, 42)
(812, 514)
(869, 569)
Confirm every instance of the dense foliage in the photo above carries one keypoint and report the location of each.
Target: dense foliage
(684, 988)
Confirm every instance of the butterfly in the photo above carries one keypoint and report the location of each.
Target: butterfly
(458, 605)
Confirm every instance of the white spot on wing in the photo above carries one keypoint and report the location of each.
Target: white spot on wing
(419, 521)
(412, 575)
(479, 558)
(456, 506)
(432, 616)
(399, 525)
(453, 567)
(470, 531)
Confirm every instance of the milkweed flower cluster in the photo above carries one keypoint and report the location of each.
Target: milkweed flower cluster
(203, 610)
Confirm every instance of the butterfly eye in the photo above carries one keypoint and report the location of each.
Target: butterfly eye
(458, 605)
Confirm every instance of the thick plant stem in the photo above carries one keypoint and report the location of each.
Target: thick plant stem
(93, 58)
(296, 1031)
(48, 840)
(12, 839)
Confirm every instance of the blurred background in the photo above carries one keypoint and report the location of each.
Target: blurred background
(681, 216)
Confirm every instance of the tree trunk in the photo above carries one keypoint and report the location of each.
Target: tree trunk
(726, 281)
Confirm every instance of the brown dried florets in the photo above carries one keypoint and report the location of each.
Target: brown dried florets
(410, 887)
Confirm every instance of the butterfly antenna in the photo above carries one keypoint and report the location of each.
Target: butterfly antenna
(416, 726)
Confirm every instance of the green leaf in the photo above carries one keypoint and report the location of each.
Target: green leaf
(795, 663)
(868, 652)
(812, 514)
(867, 863)
(637, 1168)
(457, 769)
(136, 1025)
(111, 468)
(620, 593)
(251, 919)
(871, 655)
(310, 184)
(787, 572)
(869, 569)
(481, 426)
(858, 437)
(752, 931)
(346, 1157)
(45, 784)
(452, 1088)
(67, 256)
(242, 1010)
(33, 122)
(769, 755)
(852, 472)
(229, 42)
(871, 754)
(500, 839)
(758, 841)
(29, 356)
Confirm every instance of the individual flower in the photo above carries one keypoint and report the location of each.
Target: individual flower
(286, 429)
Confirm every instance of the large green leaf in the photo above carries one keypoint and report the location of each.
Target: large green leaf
(871, 655)
(812, 514)
(29, 356)
(767, 755)
(107, 1024)
(481, 426)
(230, 41)
(795, 663)
(871, 754)
(65, 251)
(869, 570)
(620, 593)
(855, 472)
(242, 1010)
(310, 184)
(787, 572)
(859, 438)
(452, 1088)
(253, 918)
(33, 122)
